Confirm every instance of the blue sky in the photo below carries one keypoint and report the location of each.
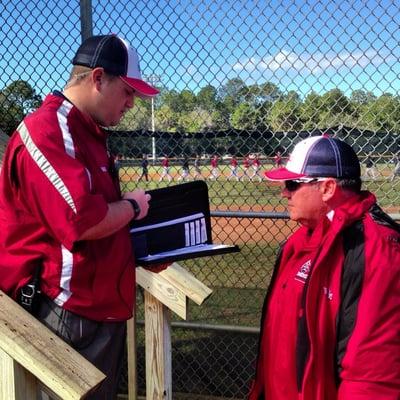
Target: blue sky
(298, 45)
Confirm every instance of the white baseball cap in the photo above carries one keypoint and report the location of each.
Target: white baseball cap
(319, 156)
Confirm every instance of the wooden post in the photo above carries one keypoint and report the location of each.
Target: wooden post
(165, 291)
(132, 357)
(158, 349)
(16, 382)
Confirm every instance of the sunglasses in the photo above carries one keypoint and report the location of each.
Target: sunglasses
(294, 184)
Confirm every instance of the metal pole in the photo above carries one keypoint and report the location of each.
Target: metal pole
(152, 115)
(153, 139)
(86, 19)
(153, 79)
(209, 327)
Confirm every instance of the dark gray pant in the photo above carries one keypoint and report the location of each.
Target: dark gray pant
(102, 343)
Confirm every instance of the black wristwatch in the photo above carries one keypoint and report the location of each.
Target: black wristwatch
(135, 206)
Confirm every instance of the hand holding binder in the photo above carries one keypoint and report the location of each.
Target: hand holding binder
(177, 226)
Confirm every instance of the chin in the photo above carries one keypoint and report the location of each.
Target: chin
(112, 123)
(103, 123)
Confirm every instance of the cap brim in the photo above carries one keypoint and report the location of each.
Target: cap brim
(282, 174)
(144, 89)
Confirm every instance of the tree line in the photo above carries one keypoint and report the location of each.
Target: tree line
(234, 105)
(264, 107)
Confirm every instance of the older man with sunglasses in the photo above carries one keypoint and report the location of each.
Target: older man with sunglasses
(330, 327)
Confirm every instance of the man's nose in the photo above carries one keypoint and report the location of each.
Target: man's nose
(284, 192)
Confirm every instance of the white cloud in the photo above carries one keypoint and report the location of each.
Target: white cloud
(312, 63)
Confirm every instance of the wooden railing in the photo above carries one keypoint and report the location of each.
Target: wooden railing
(33, 359)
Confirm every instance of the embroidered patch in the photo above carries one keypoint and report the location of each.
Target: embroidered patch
(302, 273)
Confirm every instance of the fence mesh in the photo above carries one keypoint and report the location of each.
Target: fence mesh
(239, 80)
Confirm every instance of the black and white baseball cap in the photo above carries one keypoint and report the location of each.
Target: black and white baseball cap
(319, 156)
(117, 57)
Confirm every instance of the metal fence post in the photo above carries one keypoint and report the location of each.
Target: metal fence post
(86, 19)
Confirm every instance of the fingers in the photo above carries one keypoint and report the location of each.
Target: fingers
(158, 267)
(143, 199)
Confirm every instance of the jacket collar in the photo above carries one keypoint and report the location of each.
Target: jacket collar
(352, 210)
(86, 119)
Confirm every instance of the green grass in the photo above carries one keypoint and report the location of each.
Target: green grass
(225, 194)
(387, 193)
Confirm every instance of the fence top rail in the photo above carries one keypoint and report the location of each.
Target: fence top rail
(265, 215)
(250, 214)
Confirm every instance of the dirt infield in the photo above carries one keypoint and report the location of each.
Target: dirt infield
(133, 174)
(251, 230)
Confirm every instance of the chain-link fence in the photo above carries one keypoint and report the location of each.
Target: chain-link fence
(3, 144)
(241, 82)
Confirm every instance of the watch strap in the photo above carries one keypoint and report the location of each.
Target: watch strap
(135, 207)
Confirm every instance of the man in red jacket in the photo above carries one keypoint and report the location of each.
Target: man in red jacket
(64, 224)
(331, 319)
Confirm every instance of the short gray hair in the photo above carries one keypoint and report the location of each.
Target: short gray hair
(351, 185)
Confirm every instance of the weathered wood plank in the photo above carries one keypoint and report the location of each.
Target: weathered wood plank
(158, 349)
(63, 370)
(186, 282)
(162, 290)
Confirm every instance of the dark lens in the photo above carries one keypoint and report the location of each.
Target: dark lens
(292, 186)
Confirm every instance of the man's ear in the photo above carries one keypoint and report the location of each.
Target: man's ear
(328, 188)
(98, 77)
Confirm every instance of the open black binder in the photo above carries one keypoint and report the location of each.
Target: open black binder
(177, 226)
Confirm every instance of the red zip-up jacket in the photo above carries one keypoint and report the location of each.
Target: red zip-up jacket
(348, 330)
(56, 182)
